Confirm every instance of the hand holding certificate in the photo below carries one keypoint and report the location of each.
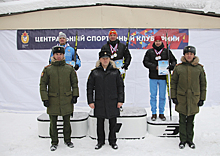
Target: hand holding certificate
(162, 67)
(71, 62)
(119, 64)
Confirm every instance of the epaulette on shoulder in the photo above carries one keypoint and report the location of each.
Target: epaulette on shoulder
(69, 64)
(200, 64)
(48, 66)
(93, 69)
(178, 64)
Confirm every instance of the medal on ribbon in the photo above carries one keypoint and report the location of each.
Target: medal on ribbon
(158, 57)
(113, 50)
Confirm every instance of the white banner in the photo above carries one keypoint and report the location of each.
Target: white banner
(20, 72)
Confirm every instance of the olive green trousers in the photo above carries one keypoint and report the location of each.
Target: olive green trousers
(55, 129)
(186, 125)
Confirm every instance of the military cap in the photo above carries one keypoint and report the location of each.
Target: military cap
(58, 49)
(104, 54)
(188, 49)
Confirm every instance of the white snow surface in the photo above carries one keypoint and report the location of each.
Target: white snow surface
(18, 6)
(19, 130)
(19, 137)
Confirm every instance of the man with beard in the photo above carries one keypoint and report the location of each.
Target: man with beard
(151, 58)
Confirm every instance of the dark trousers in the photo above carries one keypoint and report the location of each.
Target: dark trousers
(54, 130)
(101, 131)
(186, 125)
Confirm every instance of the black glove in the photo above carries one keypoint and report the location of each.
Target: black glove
(74, 100)
(200, 103)
(76, 67)
(46, 103)
(170, 67)
(125, 66)
(175, 101)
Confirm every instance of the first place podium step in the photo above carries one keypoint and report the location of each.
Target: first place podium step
(79, 125)
(131, 124)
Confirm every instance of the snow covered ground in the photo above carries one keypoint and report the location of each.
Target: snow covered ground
(19, 137)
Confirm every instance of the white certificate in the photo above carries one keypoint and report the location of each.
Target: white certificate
(119, 64)
(71, 62)
(162, 67)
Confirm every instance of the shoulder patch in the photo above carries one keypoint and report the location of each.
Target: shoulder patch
(42, 74)
(200, 64)
(48, 66)
(178, 64)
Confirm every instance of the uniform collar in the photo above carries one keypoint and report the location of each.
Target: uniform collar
(59, 63)
(194, 62)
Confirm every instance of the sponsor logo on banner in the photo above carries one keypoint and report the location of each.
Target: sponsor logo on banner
(96, 38)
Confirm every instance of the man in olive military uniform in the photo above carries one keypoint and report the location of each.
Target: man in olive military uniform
(59, 91)
(105, 94)
(188, 92)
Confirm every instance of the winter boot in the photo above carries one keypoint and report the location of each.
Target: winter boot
(69, 144)
(114, 145)
(191, 144)
(162, 117)
(53, 147)
(99, 145)
(182, 145)
(154, 117)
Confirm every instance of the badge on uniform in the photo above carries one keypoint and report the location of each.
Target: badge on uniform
(157, 57)
(42, 74)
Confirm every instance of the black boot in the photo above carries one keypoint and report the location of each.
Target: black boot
(99, 145)
(69, 144)
(53, 147)
(182, 145)
(191, 144)
(114, 145)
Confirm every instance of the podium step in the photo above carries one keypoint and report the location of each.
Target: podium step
(79, 125)
(131, 124)
(168, 128)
